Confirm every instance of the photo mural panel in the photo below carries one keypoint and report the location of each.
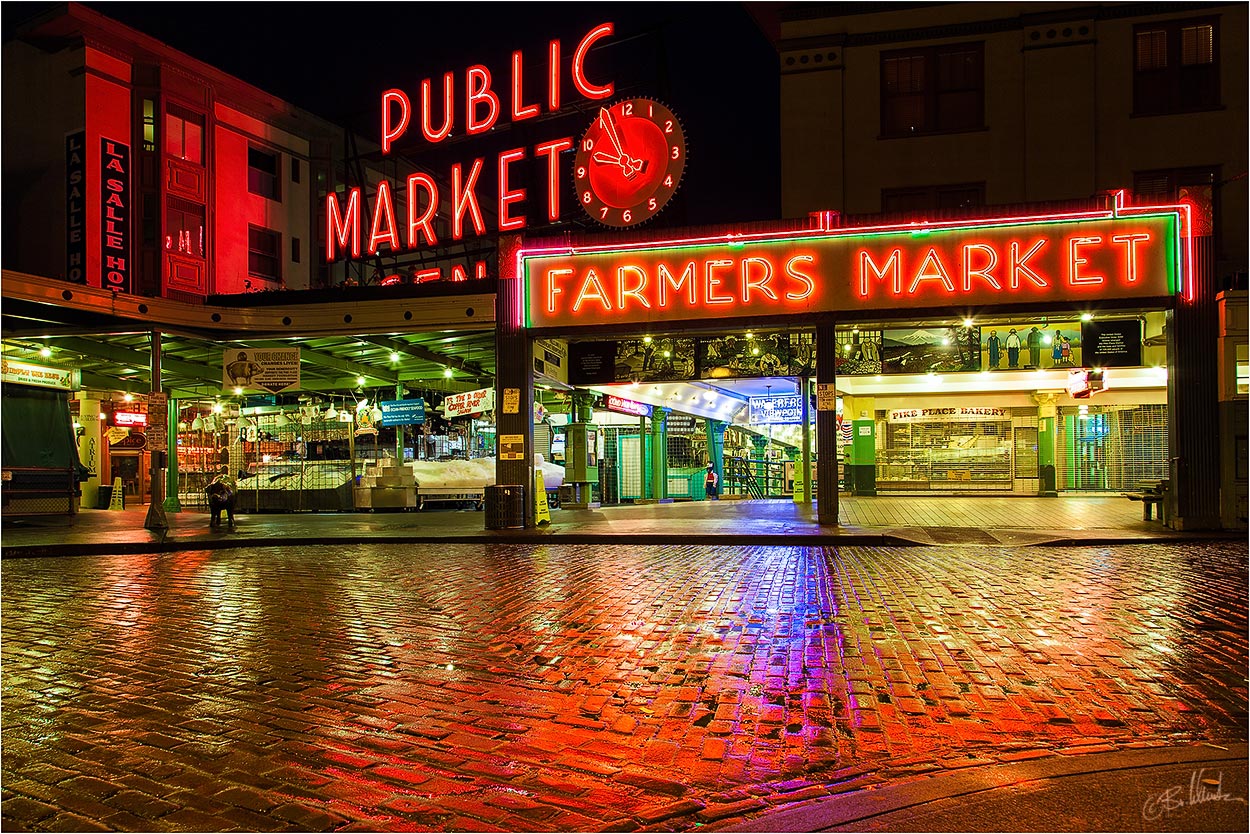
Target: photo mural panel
(920, 350)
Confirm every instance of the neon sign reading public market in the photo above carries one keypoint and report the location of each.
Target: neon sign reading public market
(436, 118)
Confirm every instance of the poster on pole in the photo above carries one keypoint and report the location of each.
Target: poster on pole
(158, 417)
(271, 369)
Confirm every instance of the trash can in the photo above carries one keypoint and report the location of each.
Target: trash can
(104, 497)
(505, 506)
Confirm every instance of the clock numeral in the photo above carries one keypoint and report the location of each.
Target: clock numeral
(626, 216)
(586, 197)
(668, 181)
(650, 109)
(651, 204)
(603, 212)
(668, 126)
(676, 152)
(627, 109)
(588, 143)
(581, 171)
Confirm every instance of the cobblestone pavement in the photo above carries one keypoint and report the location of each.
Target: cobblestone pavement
(497, 687)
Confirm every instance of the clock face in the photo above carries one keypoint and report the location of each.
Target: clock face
(629, 163)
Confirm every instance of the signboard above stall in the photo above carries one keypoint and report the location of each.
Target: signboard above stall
(402, 412)
(623, 406)
(1076, 258)
(24, 373)
(469, 402)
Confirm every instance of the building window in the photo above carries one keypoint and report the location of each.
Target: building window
(295, 250)
(936, 89)
(184, 135)
(263, 247)
(933, 198)
(1175, 67)
(262, 173)
(149, 124)
(1194, 187)
(294, 170)
(184, 227)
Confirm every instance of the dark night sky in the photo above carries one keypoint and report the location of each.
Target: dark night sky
(709, 62)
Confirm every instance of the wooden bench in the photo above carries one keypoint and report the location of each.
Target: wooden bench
(1151, 493)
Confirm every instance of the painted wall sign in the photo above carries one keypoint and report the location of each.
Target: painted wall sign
(959, 414)
(115, 215)
(469, 402)
(402, 412)
(1112, 343)
(76, 207)
(778, 410)
(437, 116)
(275, 369)
(24, 373)
(623, 406)
(1072, 258)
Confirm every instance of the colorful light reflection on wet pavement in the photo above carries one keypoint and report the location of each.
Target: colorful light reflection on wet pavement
(485, 687)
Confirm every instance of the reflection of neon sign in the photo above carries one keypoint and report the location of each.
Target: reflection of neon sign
(1060, 258)
(624, 406)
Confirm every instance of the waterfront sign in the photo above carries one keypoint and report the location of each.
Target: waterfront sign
(1073, 259)
(777, 410)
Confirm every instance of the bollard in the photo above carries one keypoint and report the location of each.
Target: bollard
(118, 499)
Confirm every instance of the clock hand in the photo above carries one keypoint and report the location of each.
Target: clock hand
(606, 159)
(609, 128)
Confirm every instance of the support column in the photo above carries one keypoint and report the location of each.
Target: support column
(659, 455)
(172, 502)
(1047, 479)
(514, 377)
(399, 430)
(155, 519)
(806, 459)
(826, 425)
(1193, 395)
(642, 459)
(716, 449)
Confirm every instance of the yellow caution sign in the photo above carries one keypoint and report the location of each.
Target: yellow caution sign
(542, 513)
(117, 500)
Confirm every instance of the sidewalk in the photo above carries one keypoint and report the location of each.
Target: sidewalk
(1187, 788)
(880, 520)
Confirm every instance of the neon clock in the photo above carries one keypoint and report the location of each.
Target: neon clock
(629, 162)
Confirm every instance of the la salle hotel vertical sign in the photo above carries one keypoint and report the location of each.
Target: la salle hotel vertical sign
(115, 216)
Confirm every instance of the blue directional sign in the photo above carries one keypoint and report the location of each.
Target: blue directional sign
(403, 412)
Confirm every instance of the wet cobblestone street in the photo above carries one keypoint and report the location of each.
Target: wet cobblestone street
(619, 687)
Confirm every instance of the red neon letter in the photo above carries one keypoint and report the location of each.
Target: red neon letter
(519, 110)
(983, 272)
(423, 224)
(506, 196)
(891, 265)
(464, 198)
(666, 280)
(389, 133)
(939, 272)
(1019, 268)
(339, 228)
(427, 129)
(479, 91)
(632, 292)
(711, 282)
(552, 151)
(553, 77)
(760, 283)
(1130, 245)
(1075, 260)
(793, 271)
(597, 292)
(552, 289)
(383, 209)
(579, 59)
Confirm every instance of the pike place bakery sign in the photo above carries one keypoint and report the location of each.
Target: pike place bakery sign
(1060, 258)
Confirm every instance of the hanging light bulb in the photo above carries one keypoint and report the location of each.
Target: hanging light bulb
(45, 352)
(360, 380)
(447, 372)
(128, 397)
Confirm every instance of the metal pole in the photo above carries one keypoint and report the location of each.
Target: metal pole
(806, 461)
(172, 504)
(399, 430)
(155, 519)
